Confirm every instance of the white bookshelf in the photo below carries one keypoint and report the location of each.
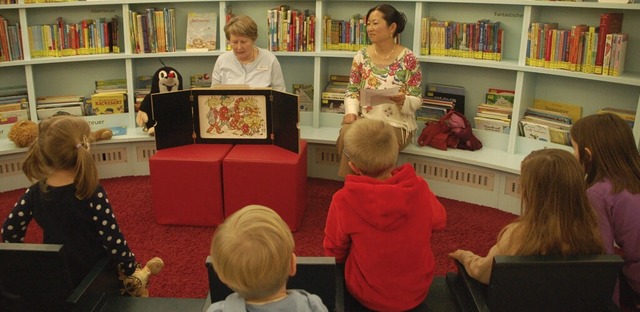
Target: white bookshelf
(501, 154)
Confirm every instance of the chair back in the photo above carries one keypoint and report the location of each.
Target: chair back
(540, 283)
(582, 283)
(36, 277)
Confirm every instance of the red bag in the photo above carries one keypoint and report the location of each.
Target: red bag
(452, 130)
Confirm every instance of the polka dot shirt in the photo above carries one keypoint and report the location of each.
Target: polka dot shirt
(87, 228)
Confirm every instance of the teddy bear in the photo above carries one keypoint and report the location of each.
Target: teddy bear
(137, 284)
(165, 79)
(24, 132)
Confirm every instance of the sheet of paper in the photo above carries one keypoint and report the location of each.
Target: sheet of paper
(373, 97)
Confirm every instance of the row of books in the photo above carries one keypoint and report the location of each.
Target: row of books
(479, 40)
(90, 36)
(10, 41)
(291, 29)
(589, 49)
(549, 121)
(153, 30)
(495, 113)
(14, 104)
(345, 35)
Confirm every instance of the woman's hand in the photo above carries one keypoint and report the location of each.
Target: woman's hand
(349, 118)
(398, 99)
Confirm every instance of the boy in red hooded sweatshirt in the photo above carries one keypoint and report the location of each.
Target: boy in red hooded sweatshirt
(380, 223)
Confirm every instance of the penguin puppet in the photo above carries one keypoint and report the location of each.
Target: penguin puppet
(166, 79)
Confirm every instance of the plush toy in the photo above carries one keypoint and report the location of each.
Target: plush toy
(166, 79)
(24, 132)
(137, 284)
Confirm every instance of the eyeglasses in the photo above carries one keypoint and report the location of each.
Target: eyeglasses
(346, 155)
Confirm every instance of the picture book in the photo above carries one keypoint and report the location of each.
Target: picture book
(535, 131)
(500, 97)
(201, 31)
(305, 96)
(489, 124)
(108, 103)
(609, 23)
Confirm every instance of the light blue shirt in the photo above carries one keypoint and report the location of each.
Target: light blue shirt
(264, 71)
(296, 300)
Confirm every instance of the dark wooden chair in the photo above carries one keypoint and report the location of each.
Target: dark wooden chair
(317, 275)
(35, 277)
(540, 283)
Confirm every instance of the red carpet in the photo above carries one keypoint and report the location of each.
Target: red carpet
(184, 248)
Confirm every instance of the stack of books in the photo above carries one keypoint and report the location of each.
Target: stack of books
(55, 105)
(549, 121)
(438, 100)
(14, 104)
(628, 115)
(333, 95)
(495, 113)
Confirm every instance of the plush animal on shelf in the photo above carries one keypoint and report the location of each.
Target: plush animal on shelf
(24, 132)
(137, 284)
(166, 79)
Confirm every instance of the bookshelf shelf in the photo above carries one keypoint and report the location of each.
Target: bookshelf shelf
(501, 153)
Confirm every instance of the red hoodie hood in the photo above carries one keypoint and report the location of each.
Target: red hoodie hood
(383, 203)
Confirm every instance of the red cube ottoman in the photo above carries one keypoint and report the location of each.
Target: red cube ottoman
(266, 175)
(186, 184)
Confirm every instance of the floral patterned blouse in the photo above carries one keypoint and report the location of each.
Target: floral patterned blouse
(403, 72)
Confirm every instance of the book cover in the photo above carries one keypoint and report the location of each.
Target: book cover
(108, 103)
(609, 23)
(13, 116)
(201, 31)
(305, 96)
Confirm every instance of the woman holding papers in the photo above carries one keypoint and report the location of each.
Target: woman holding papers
(385, 80)
(246, 64)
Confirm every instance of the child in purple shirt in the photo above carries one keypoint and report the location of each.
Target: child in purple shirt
(605, 146)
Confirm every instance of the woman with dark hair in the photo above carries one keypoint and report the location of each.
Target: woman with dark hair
(383, 64)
